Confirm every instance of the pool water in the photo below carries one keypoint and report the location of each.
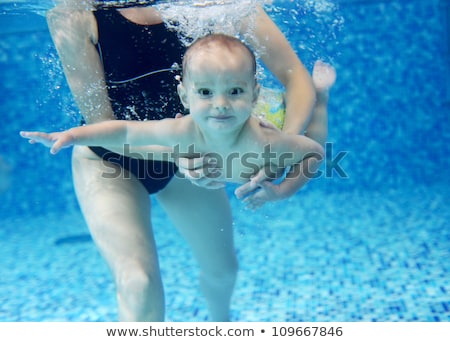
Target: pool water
(368, 242)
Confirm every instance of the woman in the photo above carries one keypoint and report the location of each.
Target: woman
(102, 52)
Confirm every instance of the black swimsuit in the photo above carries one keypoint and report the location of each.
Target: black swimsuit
(129, 51)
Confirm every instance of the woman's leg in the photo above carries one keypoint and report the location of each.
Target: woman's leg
(116, 208)
(203, 217)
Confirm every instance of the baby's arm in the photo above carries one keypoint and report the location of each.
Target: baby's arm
(303, 155)
(109, 133)
(56, 141)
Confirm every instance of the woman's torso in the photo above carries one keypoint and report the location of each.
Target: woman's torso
(129, 50)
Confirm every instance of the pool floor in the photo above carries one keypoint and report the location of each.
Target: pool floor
(347, 256)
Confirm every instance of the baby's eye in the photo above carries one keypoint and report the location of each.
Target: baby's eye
(236, 91)
(204, 92)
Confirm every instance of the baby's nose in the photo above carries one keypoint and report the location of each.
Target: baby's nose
(221, 103)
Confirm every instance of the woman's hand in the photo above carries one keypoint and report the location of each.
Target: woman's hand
(202, 171)
(266, 192)
(260, 189)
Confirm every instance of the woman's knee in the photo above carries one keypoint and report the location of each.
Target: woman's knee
(222, 274)
(137, 279)
(140, 294)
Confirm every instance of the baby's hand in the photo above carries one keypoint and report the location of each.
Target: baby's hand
(56, 141)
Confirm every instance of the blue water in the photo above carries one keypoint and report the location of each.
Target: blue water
(369, 244)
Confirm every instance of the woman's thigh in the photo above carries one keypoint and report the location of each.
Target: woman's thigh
(116, 208)
(203, 217)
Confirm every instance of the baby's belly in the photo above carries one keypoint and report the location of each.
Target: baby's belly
(239, 171)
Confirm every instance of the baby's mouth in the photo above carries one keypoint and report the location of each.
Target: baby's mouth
(221, 117)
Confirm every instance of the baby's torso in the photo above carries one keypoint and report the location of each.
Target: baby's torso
(254, 150)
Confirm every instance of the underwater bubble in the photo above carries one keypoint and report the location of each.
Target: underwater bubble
(205, 17)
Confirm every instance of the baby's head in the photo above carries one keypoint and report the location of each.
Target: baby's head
(219, 82)
(219, 47)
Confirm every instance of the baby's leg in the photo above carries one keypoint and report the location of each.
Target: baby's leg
(323, 76)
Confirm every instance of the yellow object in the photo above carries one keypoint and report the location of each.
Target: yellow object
(271, 106)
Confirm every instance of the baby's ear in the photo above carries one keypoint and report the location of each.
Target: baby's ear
(256, 90)
(183, 95)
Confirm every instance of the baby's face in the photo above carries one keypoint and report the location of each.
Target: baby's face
(220, 88)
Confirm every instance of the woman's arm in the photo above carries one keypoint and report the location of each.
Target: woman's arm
(74, 33)
(307, 155)
(302, 154)
(73, 29)
(280, 58)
